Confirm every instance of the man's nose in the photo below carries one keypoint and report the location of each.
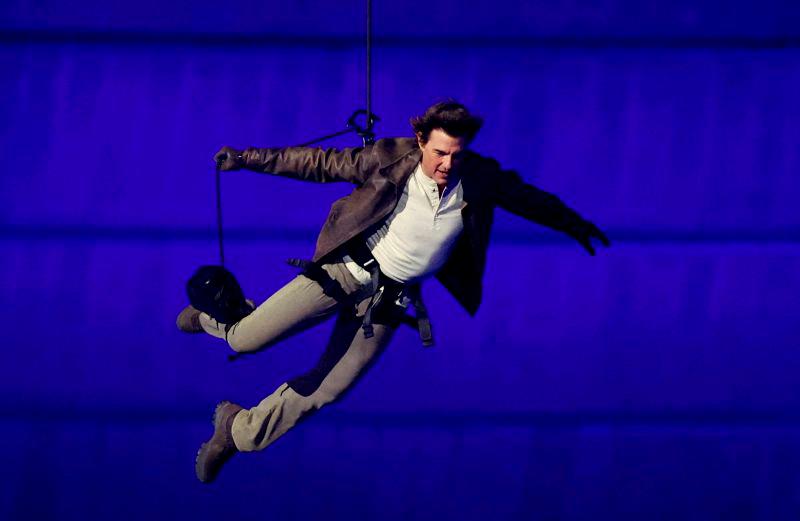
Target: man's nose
(446, 162)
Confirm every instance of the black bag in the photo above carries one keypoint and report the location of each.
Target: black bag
(214, 290)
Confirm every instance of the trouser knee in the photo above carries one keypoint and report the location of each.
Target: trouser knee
(242, 345)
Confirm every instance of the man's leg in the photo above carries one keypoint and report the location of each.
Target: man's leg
(297, 306)
(235, 429)
(346, 357)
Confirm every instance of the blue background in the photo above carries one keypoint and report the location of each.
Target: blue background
(658, 380)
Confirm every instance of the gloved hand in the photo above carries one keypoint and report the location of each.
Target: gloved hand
(230, 158)
(584, 231)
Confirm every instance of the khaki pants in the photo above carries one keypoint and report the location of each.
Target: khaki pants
(299, 305)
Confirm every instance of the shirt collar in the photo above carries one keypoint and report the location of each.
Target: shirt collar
(429, 185)
(426, 182)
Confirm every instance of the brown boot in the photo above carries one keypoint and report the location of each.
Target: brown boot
(188, 320)
(220, 448)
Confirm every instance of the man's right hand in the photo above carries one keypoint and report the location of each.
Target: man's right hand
(229, 159)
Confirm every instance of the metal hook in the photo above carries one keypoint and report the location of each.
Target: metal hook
(364, 131)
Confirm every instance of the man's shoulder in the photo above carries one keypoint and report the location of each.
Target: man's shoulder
(393, 147)
(396, 151)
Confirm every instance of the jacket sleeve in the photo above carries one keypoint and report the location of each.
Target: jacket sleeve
(525, 200)
(318, 165)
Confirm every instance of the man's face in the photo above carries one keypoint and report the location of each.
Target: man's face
(441, 155)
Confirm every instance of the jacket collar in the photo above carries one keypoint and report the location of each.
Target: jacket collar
(399, 170)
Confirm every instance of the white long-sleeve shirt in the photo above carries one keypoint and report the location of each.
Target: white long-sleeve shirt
(415, 240)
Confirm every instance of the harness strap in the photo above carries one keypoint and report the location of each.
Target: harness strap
(421, 314)
(375, 275)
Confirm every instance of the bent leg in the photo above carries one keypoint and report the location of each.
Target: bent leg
(345, 359)
(299, 305)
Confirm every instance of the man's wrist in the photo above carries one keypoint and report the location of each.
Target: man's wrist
(246, 157)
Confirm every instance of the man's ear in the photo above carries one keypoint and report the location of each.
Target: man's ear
(420, 142)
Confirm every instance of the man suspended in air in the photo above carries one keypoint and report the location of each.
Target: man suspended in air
(420, 207)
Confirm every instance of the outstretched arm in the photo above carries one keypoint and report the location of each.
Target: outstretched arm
(308, 164)
(527, 201)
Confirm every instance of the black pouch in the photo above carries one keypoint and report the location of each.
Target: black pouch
(214, 290)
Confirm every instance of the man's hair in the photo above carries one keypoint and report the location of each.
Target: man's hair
(450, 116)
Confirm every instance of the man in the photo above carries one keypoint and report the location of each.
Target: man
(420, 207)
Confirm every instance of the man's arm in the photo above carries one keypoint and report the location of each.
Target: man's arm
(527, 201)
(308, 164)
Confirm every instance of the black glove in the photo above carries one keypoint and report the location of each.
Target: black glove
(229, 159)
(584, 231)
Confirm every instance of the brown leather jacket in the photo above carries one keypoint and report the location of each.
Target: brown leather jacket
(380, 172)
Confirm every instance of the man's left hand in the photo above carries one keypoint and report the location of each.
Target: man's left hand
(229, 159)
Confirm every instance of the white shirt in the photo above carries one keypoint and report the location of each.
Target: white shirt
(415, 240)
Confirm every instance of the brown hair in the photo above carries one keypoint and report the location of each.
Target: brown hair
(450, 116)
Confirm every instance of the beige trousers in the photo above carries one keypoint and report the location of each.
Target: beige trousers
(299, 305)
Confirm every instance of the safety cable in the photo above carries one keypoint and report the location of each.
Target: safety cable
(368, 140)
(219, 215)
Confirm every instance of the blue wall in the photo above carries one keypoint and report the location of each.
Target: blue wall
(655, 381)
